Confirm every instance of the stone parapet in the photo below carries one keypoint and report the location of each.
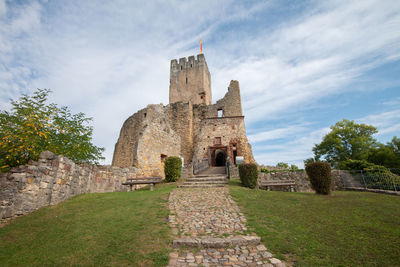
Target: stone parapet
(54, 179)
(302, 181)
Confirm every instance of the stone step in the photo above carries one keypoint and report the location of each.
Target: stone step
(205, 183)
(216, 242)
(201, 186)
(214, 170)
(209, 175)
(206, 180)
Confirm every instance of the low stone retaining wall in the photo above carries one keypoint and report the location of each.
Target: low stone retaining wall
(54, 179)
(302, 181)
(234, 172)
(200, 166)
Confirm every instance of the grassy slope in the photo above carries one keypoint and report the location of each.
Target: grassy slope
(344, 229)
(113, 229)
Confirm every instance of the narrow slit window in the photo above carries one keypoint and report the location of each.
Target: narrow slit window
(220, 113)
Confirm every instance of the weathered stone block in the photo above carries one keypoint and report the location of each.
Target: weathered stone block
(47, 155)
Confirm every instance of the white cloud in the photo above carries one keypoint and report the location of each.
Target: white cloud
(313, 57)
(294, 151)
(112, 59)
(276, 133)
(387, 122)
(3, 8)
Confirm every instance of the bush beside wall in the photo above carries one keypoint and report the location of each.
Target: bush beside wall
(320, 177)
(248, 174)
(172, 169)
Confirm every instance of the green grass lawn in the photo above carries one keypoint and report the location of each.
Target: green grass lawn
(109, 229)
(344, 229)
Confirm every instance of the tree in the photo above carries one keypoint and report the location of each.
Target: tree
(347, 140)
(282, 165)
(387, 155)
(293, 167)
(32, 126)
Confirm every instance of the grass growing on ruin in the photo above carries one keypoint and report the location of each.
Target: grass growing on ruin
(344, 229)
(109, 229)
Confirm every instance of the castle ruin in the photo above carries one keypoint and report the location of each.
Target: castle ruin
(190, 126)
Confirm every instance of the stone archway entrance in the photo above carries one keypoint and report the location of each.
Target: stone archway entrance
(220, 157)
(217, 155)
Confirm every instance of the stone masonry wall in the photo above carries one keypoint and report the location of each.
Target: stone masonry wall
(54, 179)
(181, 120)
(230, 130)
(230, 104)
(150, 133)
(190, 81)
(124, 151)
(153, 143)
(302, 181)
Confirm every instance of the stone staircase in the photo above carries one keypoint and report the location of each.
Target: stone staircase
(212, 177)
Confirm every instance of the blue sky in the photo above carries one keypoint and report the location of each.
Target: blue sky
(302, 65)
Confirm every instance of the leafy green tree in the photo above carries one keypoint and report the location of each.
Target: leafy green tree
(387, 155)
(347, 140)
(33, 126)
(294, 167)
(395, 145)
(282, 165)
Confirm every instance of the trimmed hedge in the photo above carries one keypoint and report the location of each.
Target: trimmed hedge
(248, 174)
(320, 177)
(172, 169)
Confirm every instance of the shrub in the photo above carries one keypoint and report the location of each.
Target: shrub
(172, 168)
(248, 174)
(373, 176)
(320, 177)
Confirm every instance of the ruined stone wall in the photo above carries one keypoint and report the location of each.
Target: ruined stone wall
(149, 134)
(181, 120)
(124, 151)
(230, 127)
(230, 104)
(155, 143)
(54, 179)
(190, 81)
(302, 181)
(230, 130)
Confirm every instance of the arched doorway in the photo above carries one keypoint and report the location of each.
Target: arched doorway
(220, 157)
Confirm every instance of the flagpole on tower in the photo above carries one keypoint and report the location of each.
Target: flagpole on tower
(201, 47)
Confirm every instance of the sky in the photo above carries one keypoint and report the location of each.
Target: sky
(302, 65)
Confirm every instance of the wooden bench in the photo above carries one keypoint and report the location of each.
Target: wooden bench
(152, 181)
(268, 184)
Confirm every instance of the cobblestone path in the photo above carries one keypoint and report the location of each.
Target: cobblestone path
(210, 230)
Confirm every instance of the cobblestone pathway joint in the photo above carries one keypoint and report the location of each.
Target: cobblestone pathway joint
(210, 230)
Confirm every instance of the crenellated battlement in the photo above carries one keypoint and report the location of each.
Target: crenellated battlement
(188, 63)
(190, 80)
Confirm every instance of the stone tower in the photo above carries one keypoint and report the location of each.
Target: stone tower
(190, 126)
(190, 81)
